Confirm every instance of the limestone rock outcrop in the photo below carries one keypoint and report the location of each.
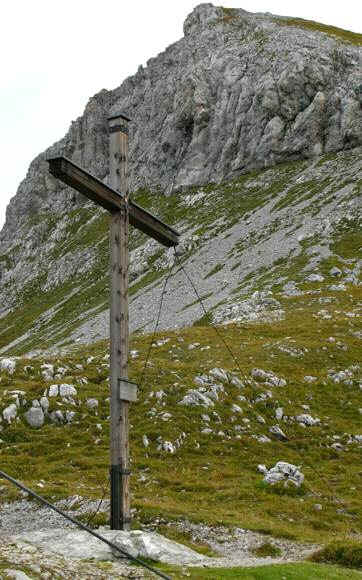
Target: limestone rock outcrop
(239, 91)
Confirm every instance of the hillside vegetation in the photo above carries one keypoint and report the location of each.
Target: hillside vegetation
(197, 452)
(253, 233)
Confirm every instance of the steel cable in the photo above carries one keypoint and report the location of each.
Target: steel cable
(83, 526)
(316, 471)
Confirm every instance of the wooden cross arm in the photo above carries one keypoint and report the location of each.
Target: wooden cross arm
(111, 199)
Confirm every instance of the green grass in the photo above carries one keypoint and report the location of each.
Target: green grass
(267, 549)
(214, 270)
(304, 571)
(339, 33)
(177, 485)
(341, 553)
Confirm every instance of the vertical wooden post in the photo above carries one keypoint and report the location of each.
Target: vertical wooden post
(119, 428)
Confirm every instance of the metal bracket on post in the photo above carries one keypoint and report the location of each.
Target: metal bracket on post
(116, 473)
(127, 390)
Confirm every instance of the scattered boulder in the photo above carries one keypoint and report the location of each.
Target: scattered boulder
(262, 469)
(57, 417)
(291, 289)
(69, 416)
(16, 574)
(8, 365)
(344, 377)
(337, 287)
(335, 272)
(92, 403)
(67, 390)
(53, 391)
(268, 378)
(194, 398)
(237, 382)
(279, 412)
(309, 379)
(262, 438)
(314, 278)
(168, 446)
(44, 402)
(260, 307)
(35, 417)
(278, 433)
(286, 472)
(220, 374)
(47, 370)
(10, 413)
(308, 420)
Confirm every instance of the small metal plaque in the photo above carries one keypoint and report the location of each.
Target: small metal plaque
(127, 390)
(118, 129)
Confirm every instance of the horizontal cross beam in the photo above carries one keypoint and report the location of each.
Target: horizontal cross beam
(111, 199)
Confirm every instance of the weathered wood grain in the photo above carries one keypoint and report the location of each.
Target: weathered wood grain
(111, 199)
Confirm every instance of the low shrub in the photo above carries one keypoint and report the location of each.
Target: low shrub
(343, 553)
(266, 549)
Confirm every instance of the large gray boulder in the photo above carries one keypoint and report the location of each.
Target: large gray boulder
(35, 417)
(80, 544)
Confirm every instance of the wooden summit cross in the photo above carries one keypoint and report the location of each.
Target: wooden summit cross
(123, 211)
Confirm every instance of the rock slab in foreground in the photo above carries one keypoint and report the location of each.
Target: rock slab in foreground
(81, 545)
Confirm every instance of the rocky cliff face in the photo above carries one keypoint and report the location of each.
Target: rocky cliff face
(239, 92)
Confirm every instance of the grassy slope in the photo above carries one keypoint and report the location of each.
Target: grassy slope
(74, 458)
(219, 466)
(303, 571)
(87, 228)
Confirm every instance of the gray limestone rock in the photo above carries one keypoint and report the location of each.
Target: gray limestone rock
(268, 378)
(8, 365)
(92, 403)
(35, 417)
(278, 433)
(53, 391)
(16, 574)
(47, 370)
(10, 413)
(279, 413)
(291, 289)
(44, 402)
(335, 272)
(307, 419)
(195, 398)
(260, 307)
(67, 390)
(337, 287)
(57, 417)
(314, 278)
(284, 472)
(79, 544)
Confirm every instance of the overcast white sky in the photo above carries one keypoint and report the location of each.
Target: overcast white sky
(55, 55)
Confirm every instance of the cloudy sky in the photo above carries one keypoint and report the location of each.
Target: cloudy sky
(55, 55)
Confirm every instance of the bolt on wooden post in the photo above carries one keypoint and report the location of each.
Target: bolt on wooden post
(119, 428)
